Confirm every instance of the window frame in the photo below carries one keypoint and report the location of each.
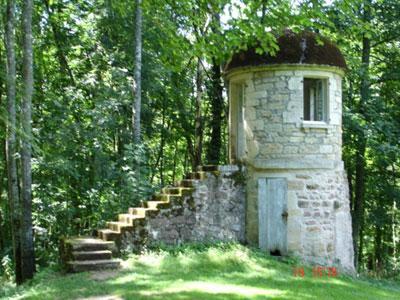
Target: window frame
(236, 120)
(326, 103)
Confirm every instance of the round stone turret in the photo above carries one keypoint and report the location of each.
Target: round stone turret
(285, 126)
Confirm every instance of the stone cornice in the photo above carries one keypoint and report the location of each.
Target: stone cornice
(283, 67)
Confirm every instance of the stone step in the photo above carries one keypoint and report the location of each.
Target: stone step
(141, 211)
(108, 234)
(186, 191)
(93, 265)
(91, 255)
(88, 244)
(129, 218)
(157, 204)
(166, 198)
(187, 182)
(119, 226)
(197, 175)
(171, 190)
(177, 190)
(208, 168)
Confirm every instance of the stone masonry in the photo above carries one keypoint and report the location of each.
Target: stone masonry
(213, 211)
(208, 206)
(277, 142)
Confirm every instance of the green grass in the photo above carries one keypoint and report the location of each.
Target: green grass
(215, 272)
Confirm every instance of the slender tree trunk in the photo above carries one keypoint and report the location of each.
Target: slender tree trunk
(1, 78)
(217, 107)
(58, 39)
(358, 213)
(11, 144)
(138, 74)
(263, 12)
(162, 145)
(378, 250)
(137, 105)
(360, 243)
(120, 142)
(28, 257)
(162, 167)
(95, 168)
(395, 220)
(186, 159)
(40, 82)
(217, 101)
(350, 180)
(2, 178)
(2, 147)
(395, 227)
(1, 231)
(175, 160)
(160, 152)
(198, 128)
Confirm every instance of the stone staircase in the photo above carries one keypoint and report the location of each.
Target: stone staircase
(96, 253)
(87, 254)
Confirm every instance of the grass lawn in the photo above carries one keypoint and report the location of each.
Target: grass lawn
(215, 272)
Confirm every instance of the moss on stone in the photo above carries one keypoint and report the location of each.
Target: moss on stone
(301, 48)
(191, 203)
(238, 177)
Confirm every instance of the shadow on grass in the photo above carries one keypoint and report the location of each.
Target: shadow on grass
(214, 273)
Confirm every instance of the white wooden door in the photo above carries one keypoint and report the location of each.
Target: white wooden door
(272, 215)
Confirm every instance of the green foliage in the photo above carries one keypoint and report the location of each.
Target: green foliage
(135, 176)
(7, 269)
(375, 119)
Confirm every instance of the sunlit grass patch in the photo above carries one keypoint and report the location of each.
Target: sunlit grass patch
(222, 271)
(217, 288)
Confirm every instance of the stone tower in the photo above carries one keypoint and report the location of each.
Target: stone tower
(285, 127)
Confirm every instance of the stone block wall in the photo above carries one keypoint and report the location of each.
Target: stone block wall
(279, 143)
(319, 223)
(273, 119)
(214, 211)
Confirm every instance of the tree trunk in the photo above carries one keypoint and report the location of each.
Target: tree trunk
(350, 181)
(2, 178)
(11, 145)
(395, 227)
(28, 258)
(138, 74)
(217, 108)
(198, 128)
(378, 250)
(1, 231)
(162, 145)
(175, 161)
(358, 213)
(58, 39)
(159, 164)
